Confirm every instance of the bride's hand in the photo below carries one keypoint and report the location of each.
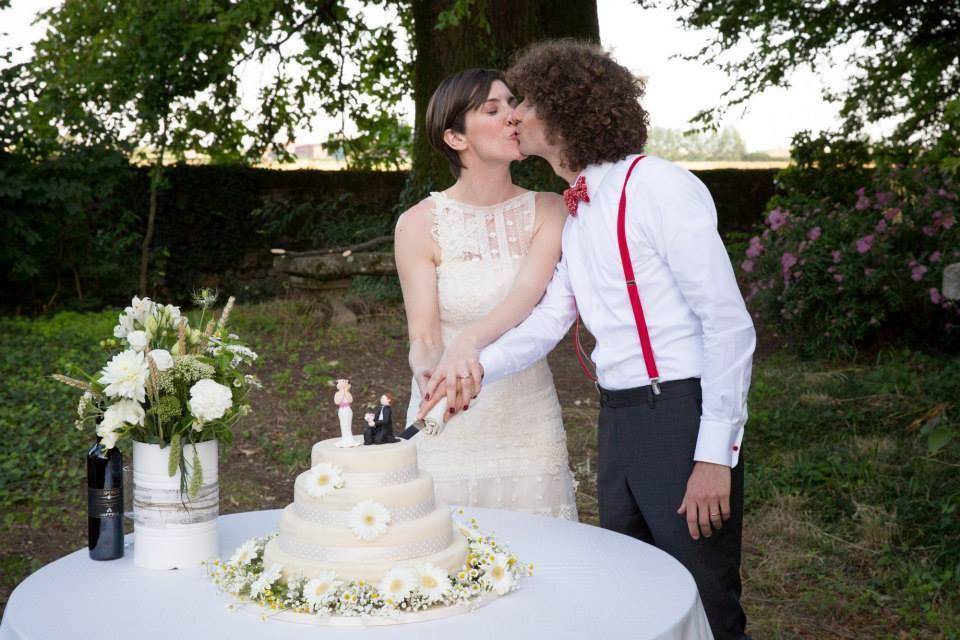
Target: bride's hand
(460, 373)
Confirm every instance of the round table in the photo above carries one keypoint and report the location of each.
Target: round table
(588, 583)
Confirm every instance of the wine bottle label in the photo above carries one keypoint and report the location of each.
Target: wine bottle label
(104, 503)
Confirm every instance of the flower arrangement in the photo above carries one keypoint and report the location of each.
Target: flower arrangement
(490, 568)
(844, 269)
(168, 383)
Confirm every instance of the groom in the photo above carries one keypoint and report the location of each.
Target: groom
(645, 267)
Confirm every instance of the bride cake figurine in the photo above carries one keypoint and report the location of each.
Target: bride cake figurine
(342, 398)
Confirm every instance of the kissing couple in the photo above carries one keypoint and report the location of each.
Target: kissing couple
(493, 277)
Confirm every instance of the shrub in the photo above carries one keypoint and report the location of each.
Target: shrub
(840, 269)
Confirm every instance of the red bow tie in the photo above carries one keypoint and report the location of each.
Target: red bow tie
(574, 194)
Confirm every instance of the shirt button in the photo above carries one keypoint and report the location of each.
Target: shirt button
(736, 448)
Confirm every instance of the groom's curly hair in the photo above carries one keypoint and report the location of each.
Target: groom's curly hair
(587, 101)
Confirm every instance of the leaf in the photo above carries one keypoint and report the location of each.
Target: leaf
(939, 437)
(175, 452)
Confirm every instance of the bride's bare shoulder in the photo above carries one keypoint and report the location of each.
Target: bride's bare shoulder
(550, 207)
(417, 217)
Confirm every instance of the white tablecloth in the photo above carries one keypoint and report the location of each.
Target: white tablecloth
(587, 583)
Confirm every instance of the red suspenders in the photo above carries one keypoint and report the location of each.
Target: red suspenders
(632, 293)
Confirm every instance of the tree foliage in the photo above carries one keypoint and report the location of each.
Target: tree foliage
(904, 56)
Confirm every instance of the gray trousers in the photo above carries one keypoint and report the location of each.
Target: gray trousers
(646, 446)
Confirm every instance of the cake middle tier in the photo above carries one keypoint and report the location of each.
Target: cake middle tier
(296, 532)
(410, 500)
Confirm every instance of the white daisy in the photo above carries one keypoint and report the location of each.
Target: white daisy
(125, 376)
(433, 582)
(320, 588)
(245, 554)
(323, 479)
(398, 583)
(497, 574)
(265, 581)
(369, 520)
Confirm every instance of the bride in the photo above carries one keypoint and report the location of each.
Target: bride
(473, 261)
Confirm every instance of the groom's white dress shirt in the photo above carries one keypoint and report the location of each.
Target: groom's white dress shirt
(698, 323)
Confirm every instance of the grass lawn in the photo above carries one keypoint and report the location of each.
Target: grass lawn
(851, 528)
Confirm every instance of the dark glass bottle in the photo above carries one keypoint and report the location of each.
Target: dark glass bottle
(105, 502)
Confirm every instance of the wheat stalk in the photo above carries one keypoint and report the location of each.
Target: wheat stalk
(182, 337)
(73, 382)
(226, 313)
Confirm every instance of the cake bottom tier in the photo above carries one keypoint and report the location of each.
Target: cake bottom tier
(451, 559)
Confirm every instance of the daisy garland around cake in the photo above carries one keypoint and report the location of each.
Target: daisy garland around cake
(407, 593)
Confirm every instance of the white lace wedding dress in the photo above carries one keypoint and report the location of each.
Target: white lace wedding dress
(509, 450)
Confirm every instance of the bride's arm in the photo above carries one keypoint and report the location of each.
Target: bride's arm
(415, 253)
(461, 357)
(531, 281)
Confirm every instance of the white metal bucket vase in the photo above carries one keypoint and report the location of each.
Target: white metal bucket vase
(172, 529)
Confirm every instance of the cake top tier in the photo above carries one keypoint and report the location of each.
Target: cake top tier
(396, 457)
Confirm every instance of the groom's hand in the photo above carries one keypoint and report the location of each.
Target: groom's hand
(706, 503)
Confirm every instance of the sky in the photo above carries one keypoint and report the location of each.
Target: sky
(643, 40)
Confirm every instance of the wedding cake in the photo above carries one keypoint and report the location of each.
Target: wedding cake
(361, 512)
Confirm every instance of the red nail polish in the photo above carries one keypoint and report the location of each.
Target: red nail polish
(465, 407)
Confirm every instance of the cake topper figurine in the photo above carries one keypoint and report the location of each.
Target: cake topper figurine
(380, 424)
(342, 398)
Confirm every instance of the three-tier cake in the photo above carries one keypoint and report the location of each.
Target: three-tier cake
(361, 512)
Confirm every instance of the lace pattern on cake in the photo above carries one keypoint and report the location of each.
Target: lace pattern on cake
(324, 516)
(371, 480)
(315, 552)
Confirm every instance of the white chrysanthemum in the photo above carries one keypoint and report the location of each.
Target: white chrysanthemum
(244, 554)
(109, 434)
(266, 580)
(433, 582)
(209, 400)
(124, 412)
(497, 574)
(138, 340)
(161, 358)
(320, 588)
(125, 376)
(323, 479)
(398, 583)
(369, 520)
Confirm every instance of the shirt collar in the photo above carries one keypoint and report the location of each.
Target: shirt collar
(594, 175)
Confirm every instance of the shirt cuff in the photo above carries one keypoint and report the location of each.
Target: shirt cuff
(719, 443)
(495, 364)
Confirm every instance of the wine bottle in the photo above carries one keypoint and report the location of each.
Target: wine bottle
(105, 502)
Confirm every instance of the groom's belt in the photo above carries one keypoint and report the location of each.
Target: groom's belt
(670, 389)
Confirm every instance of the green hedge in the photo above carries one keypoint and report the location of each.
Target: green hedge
(72, 227)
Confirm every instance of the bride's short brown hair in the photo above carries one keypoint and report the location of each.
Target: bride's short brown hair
(449, 104)
(585, 98)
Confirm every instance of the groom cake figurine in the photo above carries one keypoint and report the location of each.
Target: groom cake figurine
(380, 426)
(643, 264)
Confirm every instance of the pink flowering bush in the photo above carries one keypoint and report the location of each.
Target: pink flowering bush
(843, 269)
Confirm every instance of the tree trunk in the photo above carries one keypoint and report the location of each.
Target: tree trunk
(148, 236)
(513, 25)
